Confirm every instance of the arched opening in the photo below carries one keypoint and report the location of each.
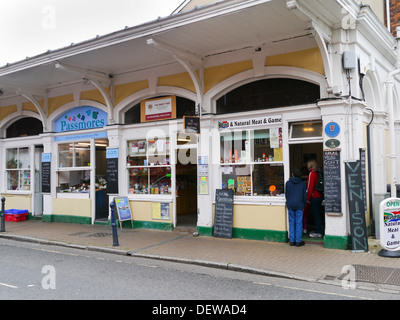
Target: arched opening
(184, 107)
(268, 93)
(25, 127)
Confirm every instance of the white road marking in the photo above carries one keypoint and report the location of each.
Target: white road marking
(8, 286)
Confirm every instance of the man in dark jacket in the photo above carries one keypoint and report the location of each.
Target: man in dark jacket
(296, 199)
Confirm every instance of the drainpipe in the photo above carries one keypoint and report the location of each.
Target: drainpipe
(388, 15)
(371, 213)
(389, 100)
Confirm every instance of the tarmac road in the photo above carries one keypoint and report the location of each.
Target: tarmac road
(45, 272)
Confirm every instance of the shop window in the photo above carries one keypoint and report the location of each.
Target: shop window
(77, 181)
(252, 162)
(306, 130)
(75, 154)
(149, 168)
(268, 93)
(72, 156)
(25, 127)
(17, 168)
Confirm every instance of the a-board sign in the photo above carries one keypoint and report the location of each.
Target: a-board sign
(332, 185)
(191, 124)
(123, 209)
(389, 214)
(355, 198)
(223, 218)
(46, 175)
(112, 170)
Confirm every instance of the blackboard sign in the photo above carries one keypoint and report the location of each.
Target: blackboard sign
(191, 124)
(332, 186)
(223, 218)
(46, 176)
(112, 170)
(358, 228)
(363, 177)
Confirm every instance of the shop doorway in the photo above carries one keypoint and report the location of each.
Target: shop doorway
(186, 186)
(299, 154)
(101, 198)
(37, 191)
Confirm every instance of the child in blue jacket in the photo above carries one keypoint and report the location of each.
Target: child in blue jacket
(296, 199)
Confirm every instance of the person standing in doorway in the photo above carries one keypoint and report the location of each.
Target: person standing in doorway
(314, 198)
(296, 198)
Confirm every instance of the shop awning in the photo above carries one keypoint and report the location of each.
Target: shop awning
(210, 31)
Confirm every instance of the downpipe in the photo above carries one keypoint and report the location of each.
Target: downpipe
(389, 83)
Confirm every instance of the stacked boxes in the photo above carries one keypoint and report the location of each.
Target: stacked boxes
(16, 215)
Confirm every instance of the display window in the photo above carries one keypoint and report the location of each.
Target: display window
(149, 166)
(252, 162)
(17, 169)
(74, 154)
(74, 167)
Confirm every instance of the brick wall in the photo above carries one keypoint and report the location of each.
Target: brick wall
(394, 15)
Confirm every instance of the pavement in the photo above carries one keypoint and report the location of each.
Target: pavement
(311, 262)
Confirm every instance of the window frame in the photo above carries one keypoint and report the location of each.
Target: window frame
(21, 171)
(250, 161)
(61, 169)
(149, 166)
(305, 138)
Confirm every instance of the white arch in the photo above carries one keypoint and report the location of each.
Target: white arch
(144, 94)
(15, 116)
(372, 91)
(370, 94)
(245, 77)
(71, 105)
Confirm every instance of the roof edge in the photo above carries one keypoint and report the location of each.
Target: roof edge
(150, 28)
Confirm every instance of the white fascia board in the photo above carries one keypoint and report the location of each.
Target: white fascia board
(351, 6)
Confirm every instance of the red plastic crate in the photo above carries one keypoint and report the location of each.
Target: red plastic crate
(15, 215)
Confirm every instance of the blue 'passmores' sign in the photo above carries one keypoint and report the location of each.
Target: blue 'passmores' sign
(81, 118)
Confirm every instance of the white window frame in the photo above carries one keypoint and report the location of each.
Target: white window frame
(18, 170)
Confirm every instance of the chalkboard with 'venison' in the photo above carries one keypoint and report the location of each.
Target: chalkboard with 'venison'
(358, 229)
(223, 218)
(332, 185)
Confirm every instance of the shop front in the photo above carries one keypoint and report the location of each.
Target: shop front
(76, 190)
(250, 152)
(160, 172)
(266, 99)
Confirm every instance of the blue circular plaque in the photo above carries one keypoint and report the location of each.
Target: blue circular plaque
(332, 129)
